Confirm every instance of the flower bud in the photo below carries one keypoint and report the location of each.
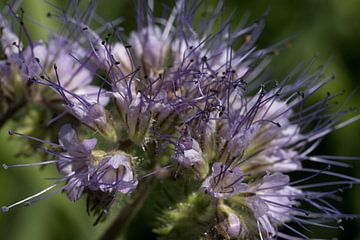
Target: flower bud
(231, 222)
(134, 111)
(96, 117)
(188, 154)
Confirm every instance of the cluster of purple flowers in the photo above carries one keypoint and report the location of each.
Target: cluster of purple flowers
(179, 95)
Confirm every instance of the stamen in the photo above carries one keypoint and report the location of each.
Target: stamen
(12, 132)
(26, 200)
(156, 171)
(339, 175)
(5, 166)
(56, 118)
(310, 177)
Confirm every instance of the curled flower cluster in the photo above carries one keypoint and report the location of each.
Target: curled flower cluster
(178, 100)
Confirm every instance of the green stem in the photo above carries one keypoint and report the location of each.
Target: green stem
(118, 226)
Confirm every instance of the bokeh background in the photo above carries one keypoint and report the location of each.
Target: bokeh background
(326, 28)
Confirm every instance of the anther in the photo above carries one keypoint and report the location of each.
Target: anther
(5, 166)
(4, 209)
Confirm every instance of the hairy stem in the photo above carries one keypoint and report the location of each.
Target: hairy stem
(11, 112)
(118, 226)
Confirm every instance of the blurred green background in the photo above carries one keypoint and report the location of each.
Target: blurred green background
(328, 28)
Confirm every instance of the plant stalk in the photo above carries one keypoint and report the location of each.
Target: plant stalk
(118, 226)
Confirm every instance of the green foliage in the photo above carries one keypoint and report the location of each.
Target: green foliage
(188, 219)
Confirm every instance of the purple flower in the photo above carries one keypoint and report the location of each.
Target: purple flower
(151, 47)
(120, 55)
(10, 43)
(10, 49)
(114, 174)
(268, 142)
(75, 162)
(188, 154)
(224, 182)
(272, 202)
(63, 66)
(72, 72)
(93, 116)
(134, 109)
(93, 169)
(83, 168)
(69, 141)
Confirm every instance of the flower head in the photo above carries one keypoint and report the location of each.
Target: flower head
(187, 98)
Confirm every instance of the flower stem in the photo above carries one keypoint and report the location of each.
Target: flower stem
(11, 112)
(117, 227)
